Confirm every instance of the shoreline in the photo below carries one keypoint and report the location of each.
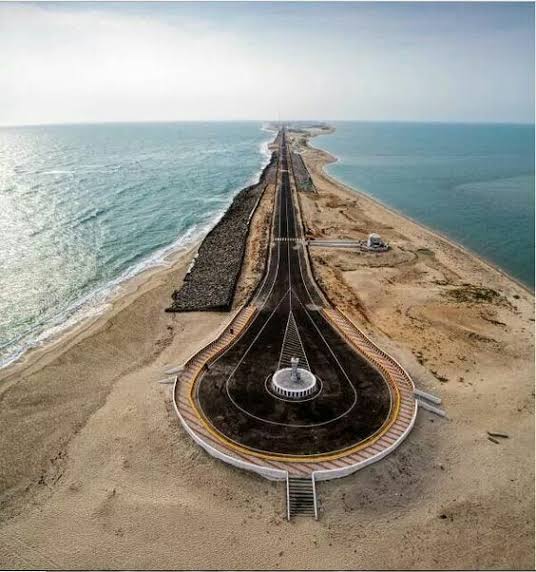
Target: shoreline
(84, 315)
(116, 290)
(128, 291)
(132, 331)
(166, 258)
(210, 284)
(454, 243)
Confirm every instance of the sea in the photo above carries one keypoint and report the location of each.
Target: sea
(83, 208)
(474, 183)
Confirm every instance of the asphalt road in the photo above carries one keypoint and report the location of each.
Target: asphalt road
(354, 400)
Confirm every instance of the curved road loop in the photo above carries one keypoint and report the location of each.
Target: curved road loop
(364, 405)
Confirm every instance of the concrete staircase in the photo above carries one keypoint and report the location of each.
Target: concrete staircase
(301, 497)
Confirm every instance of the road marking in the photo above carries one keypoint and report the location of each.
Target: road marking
(292, 345)
(385, 371)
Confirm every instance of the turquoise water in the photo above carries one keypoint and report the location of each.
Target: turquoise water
(473, 183)
(83, 207)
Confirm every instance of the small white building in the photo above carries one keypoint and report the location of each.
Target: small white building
(375, 241)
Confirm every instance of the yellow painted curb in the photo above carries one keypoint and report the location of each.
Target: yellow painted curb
(225, 441)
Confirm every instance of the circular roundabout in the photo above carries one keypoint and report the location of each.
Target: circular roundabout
(259, 453)
(323, 408)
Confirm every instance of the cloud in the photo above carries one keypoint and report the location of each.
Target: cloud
(120, 62)
(67, 63)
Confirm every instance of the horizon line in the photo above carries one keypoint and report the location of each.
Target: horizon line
(327, 121)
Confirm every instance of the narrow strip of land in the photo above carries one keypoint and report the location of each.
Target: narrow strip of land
(231, 396)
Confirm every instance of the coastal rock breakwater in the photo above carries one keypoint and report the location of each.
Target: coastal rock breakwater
(301, 174)
(211, 283)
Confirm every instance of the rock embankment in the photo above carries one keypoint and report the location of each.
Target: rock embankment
(301, 173)
(210, 284)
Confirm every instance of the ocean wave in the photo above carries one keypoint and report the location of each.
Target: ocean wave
(267, 155)
(99, 299)
(96, 302)
(95, 213)
(267, 127)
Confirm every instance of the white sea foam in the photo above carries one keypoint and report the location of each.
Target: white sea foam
(268, 128)
(96, 302)
(267, 155)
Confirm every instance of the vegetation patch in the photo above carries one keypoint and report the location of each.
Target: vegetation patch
(425, 251)
(475, 294)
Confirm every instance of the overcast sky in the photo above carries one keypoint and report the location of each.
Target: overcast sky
(94, 61)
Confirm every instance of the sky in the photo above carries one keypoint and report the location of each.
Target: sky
(96, 62)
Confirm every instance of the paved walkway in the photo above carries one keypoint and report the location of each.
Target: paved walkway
(352, 459)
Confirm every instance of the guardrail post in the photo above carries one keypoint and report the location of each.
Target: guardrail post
(288, 499)
(314, 495)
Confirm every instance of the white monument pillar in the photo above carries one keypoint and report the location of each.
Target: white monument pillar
(294, 382)
(294, 376)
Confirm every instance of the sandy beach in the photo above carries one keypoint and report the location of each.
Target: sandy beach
(96, 471)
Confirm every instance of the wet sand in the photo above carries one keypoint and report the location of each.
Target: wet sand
(97, 473)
